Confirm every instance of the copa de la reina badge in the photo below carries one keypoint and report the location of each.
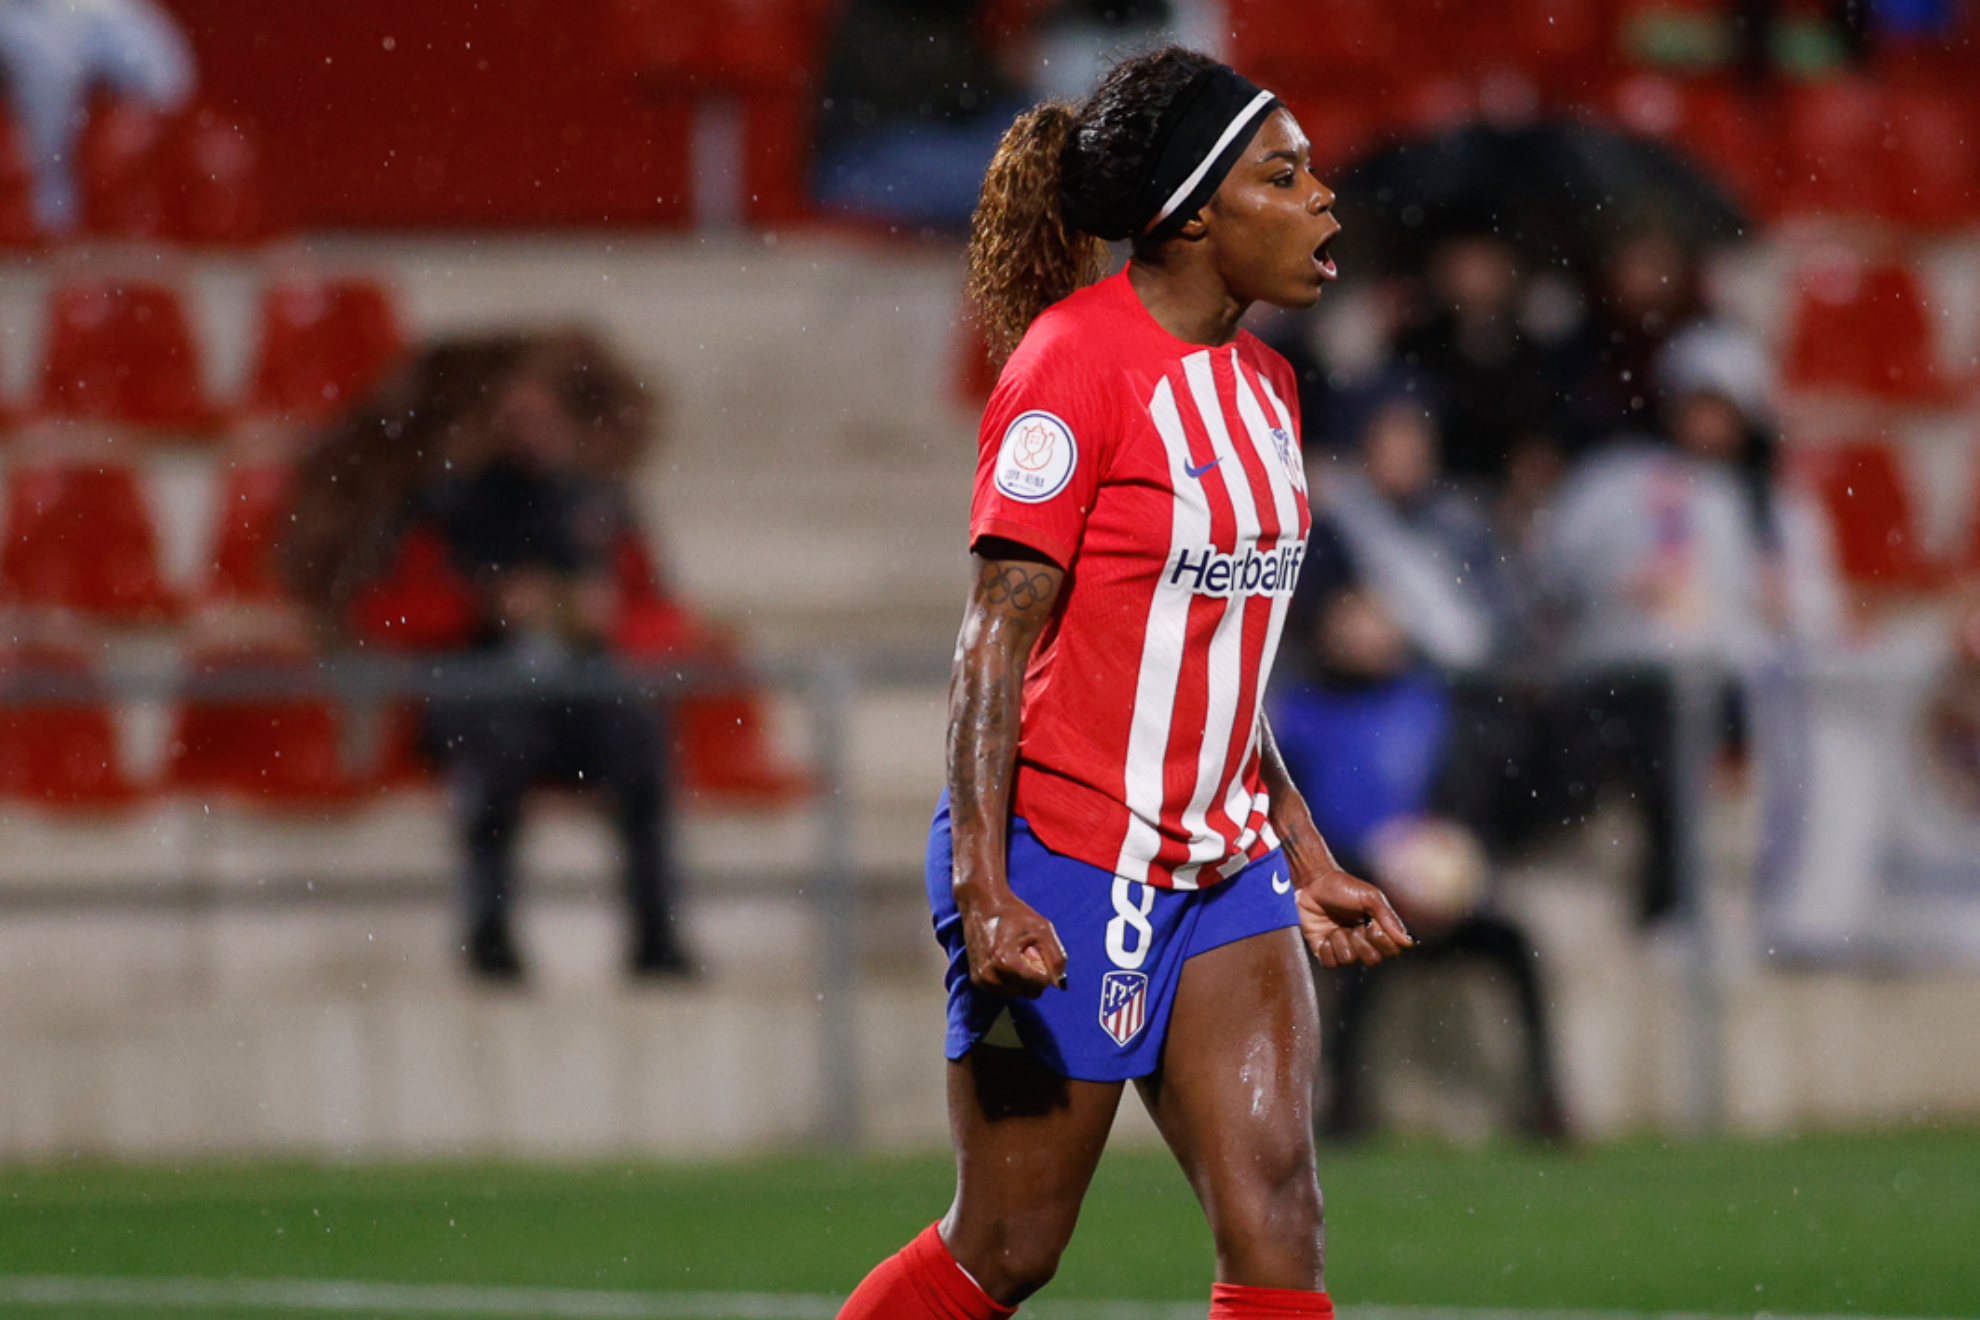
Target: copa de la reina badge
(1036, 459)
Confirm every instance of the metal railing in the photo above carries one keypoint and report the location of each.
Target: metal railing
(829, 683)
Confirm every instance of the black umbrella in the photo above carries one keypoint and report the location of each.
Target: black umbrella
(1560, 191)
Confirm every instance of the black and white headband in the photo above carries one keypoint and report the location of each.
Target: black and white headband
(1198, 140)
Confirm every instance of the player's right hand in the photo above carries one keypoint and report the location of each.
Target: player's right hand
(1012, 950)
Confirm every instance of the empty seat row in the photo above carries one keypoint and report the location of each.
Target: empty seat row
(125, 352)
(81, 542)
(190, 176)
(291, 752)
(1852, 146)
(83, 538)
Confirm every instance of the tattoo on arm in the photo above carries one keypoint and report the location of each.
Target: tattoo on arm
(1017, 587)
(1010, 606)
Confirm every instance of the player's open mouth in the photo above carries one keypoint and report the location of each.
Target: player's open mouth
(1325, 262)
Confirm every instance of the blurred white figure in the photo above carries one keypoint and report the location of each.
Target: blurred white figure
(54, 53)
(1689, 550)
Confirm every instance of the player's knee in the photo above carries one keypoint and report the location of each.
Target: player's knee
(1272, 1202)
(1030, 1269)
(1023, 1258)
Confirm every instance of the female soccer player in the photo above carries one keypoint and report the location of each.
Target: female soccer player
(1120, 867)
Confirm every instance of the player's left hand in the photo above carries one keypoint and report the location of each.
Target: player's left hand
(1345, 920)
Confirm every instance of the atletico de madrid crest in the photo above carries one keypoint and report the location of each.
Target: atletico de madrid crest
(1123, 1005)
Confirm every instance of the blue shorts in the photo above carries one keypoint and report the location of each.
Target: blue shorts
(1125, 943)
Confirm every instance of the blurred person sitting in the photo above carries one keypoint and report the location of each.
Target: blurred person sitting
(1952, 715)
(1673, 548)
(1366, 733)
(1425, 542)
(1496, 383)
(1645, 293)
(1428, 547)
(501, 462)
(55, 53)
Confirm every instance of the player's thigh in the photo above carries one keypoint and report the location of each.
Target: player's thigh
(1027, 1141)
(1234, 1097)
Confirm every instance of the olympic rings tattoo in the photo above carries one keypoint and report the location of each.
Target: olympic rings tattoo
(1016, 586)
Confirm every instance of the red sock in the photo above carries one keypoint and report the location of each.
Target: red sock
(1235, 1301)
(922, 1282)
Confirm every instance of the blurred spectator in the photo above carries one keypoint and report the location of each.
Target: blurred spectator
(1425, 543)
(1646, 293)
(1428, 548)
(1952, 716)
(1495, 382)
(55, 53)
(1366, 734)
(1669, 549)
(1670, 546)
(485, 488)
(915, 101)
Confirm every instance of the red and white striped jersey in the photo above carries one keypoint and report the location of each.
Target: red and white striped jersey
(1167, 479)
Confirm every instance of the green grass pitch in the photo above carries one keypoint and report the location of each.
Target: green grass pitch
(1883, 1225)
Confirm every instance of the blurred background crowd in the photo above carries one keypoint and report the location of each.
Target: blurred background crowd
(342, 343)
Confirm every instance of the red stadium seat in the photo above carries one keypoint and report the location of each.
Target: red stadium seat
(722, 733)
(123, 353)
(652, 625)
(270, 750)
(766, 53)
(1862, 486)
(723, 738)
(1934, 157)
(275, 751)
(1729, 132)
(17, 223)
(323, 344)
(420, 604)
(127, 183)
(1835, 149)
(252, 505)
(195, 176)
(60, 752)
(1567, 46)
(217, 189)
(1863, 329)
(1303, 47)
(81, 538)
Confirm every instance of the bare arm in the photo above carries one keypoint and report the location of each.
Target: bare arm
(1345, 920)
(1012, 949)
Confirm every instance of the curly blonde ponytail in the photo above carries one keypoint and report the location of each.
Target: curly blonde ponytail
(1023, 255)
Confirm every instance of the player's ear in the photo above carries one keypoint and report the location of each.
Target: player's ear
(1194, 228)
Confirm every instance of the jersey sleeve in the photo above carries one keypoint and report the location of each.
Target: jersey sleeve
(1048, 433)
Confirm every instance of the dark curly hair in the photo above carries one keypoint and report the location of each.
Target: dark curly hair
(1057, 189)
(429, 415)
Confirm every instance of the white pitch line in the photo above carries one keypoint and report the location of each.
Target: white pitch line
(387, 1299)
